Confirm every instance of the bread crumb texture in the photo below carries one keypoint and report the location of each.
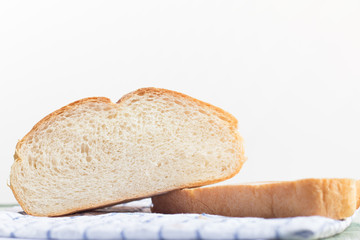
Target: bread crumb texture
(94, 153)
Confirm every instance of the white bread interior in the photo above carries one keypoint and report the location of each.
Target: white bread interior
(94, 153)
(333, 198)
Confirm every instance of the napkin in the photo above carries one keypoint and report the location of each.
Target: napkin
(134, 220)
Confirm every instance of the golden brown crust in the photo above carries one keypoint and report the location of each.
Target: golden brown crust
(46, 120)
(226, 116)
(333, 198)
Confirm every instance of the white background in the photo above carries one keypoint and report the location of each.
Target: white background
(289, 71)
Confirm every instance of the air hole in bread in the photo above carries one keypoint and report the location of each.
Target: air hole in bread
(111, 116)
(53, 162)
(178, 103)
(84, 148)
(203, 112)
(206, 163)
(222, 118)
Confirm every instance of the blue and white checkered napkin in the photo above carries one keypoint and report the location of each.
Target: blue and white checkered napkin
(134, 221)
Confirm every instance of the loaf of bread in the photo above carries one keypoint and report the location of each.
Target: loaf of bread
(94, 153)
(333, 198)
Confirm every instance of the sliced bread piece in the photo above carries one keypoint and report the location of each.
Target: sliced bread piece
(94, 153)
(333, 198)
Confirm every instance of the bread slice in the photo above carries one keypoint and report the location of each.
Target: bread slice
(333, 198)
(94, 153)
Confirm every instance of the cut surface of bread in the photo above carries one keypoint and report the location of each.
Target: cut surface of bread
(94, 153)
(333, 198)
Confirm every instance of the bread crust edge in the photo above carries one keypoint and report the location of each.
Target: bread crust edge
(330, 188)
